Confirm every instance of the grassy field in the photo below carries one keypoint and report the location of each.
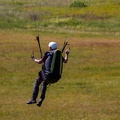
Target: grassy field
(89, 88)
(90, 85)
(98, 17)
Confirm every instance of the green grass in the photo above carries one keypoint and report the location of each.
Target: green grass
(98, 16)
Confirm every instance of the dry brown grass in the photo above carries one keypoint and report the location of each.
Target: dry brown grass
(88, 90)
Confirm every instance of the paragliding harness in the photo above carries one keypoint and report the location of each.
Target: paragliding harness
(52, 68)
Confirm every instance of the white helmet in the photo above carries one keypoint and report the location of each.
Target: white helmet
(53, 45)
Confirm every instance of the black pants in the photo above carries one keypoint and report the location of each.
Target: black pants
(45, 80)
(36, 88)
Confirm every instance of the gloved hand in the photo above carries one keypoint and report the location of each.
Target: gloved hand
(32, 56)
(67, 51)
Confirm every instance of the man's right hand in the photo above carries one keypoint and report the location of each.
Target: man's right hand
(32, 56)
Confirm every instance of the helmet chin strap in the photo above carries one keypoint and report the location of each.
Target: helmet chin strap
(50, 49)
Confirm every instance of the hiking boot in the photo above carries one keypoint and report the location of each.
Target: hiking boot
(31, 102)
(39, 103)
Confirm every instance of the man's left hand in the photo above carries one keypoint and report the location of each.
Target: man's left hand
(67, 51)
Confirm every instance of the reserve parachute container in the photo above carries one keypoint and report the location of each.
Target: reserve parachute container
(56, 63)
